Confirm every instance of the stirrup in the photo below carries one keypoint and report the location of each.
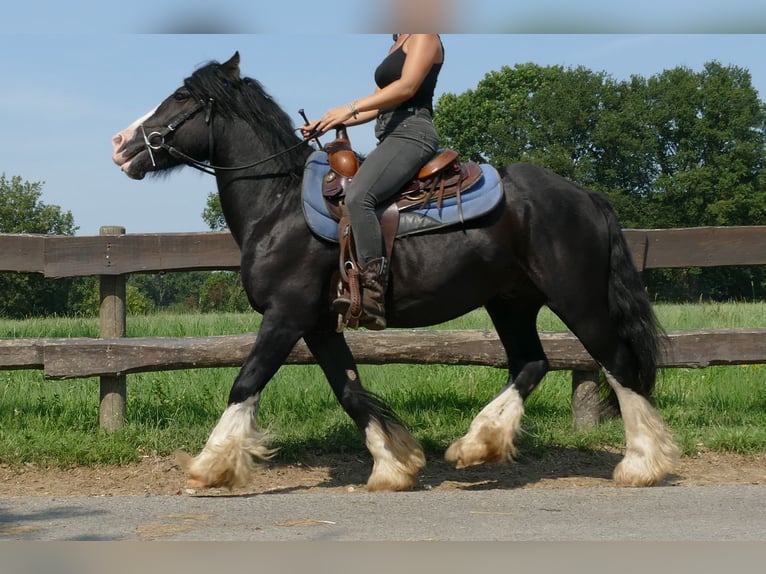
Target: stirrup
(348, 302)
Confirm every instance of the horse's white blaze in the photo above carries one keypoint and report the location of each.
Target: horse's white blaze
(651, 452)
(227, 459)
(120, 139)
(397, 457)
(491, 434)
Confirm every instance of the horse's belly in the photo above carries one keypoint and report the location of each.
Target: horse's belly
(412, 306)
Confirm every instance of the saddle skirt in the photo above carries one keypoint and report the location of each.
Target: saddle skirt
(472, 203)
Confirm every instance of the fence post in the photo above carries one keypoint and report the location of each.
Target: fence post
(112, 314)
(586, 407)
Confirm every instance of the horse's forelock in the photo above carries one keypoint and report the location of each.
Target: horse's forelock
(211, 81)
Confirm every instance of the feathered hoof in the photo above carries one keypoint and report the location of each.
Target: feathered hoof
(221, 467)
(398, 458)
(391, 483)
(637, 469)
(488, 446)
(208, 472)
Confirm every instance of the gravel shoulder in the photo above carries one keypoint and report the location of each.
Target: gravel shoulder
(557, 469)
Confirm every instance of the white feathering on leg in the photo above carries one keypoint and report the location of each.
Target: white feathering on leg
(397, 457)
(491, 434)
(651, 452)
(227, 459)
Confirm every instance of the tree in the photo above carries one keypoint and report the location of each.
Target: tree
(22, 211)
(222, 291)
(84, 298)
(213, 213)
(492, 123)
(710, 132)
(708, 129)
(179, 291)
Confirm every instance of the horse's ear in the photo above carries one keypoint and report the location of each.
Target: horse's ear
(231, 67)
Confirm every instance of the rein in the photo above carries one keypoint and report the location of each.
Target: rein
(155, 141)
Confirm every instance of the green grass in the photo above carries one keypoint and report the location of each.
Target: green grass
(56, 422)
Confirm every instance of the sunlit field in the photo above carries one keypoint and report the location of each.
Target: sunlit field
(56, 422)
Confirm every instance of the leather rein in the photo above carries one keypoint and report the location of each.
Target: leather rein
(155, 141)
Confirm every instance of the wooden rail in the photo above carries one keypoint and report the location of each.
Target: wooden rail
(65, 256)
(80, 358)
(113, 255)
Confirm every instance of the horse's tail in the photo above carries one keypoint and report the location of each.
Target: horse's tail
(629, 305)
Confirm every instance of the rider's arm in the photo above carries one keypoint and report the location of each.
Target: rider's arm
(422, 51)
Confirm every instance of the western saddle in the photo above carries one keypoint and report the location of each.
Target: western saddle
(443, 176)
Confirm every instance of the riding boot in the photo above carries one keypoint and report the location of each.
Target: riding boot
(374, 275)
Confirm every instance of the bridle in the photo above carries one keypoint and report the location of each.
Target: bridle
(155, 141)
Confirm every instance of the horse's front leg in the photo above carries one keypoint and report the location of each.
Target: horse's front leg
(228, 456)
(492, 434)
(397, 455)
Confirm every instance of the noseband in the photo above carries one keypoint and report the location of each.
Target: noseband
(155, 141)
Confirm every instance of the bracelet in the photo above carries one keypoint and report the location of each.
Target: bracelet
(354, 111)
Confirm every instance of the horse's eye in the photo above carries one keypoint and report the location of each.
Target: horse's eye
(180, 96)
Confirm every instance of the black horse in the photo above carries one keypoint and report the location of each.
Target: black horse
(549, 242)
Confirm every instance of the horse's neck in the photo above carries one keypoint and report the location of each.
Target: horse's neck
(254, 199)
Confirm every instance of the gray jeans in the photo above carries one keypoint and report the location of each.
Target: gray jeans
(408, 140)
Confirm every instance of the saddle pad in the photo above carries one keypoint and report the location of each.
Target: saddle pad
(477, 201)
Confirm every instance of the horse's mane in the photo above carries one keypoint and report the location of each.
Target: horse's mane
(246, 99)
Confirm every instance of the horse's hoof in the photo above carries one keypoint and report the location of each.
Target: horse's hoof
(391, 484)
(194, 484)
(486, 446)
(457, 454)
(209, 472)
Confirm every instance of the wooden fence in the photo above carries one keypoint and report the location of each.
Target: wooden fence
(114, 255)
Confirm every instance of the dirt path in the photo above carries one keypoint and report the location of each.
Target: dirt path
(557, 469)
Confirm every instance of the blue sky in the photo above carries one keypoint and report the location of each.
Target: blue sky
(343, 16)
(63, 95)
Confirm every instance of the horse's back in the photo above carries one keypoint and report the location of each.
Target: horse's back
(541, 197)
(536, 182)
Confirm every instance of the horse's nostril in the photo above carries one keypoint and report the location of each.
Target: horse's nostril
(117, 140)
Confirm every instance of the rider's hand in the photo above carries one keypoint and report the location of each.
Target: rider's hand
(309, 129)
(333, 118)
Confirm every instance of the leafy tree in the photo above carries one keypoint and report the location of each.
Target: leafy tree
(22, 211)
(84, 297)
(179, 291)
(492, 123)
(213, 214)
(223, 291)
(710, 131)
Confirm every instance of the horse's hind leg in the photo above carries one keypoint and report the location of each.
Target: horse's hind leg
(397, 455)
(491, 435)
(650, 449)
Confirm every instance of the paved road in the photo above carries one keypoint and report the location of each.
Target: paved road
(711, 513)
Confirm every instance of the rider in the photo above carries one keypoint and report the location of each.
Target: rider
(402, 104)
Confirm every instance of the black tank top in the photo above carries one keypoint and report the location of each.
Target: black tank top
(390, 70)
